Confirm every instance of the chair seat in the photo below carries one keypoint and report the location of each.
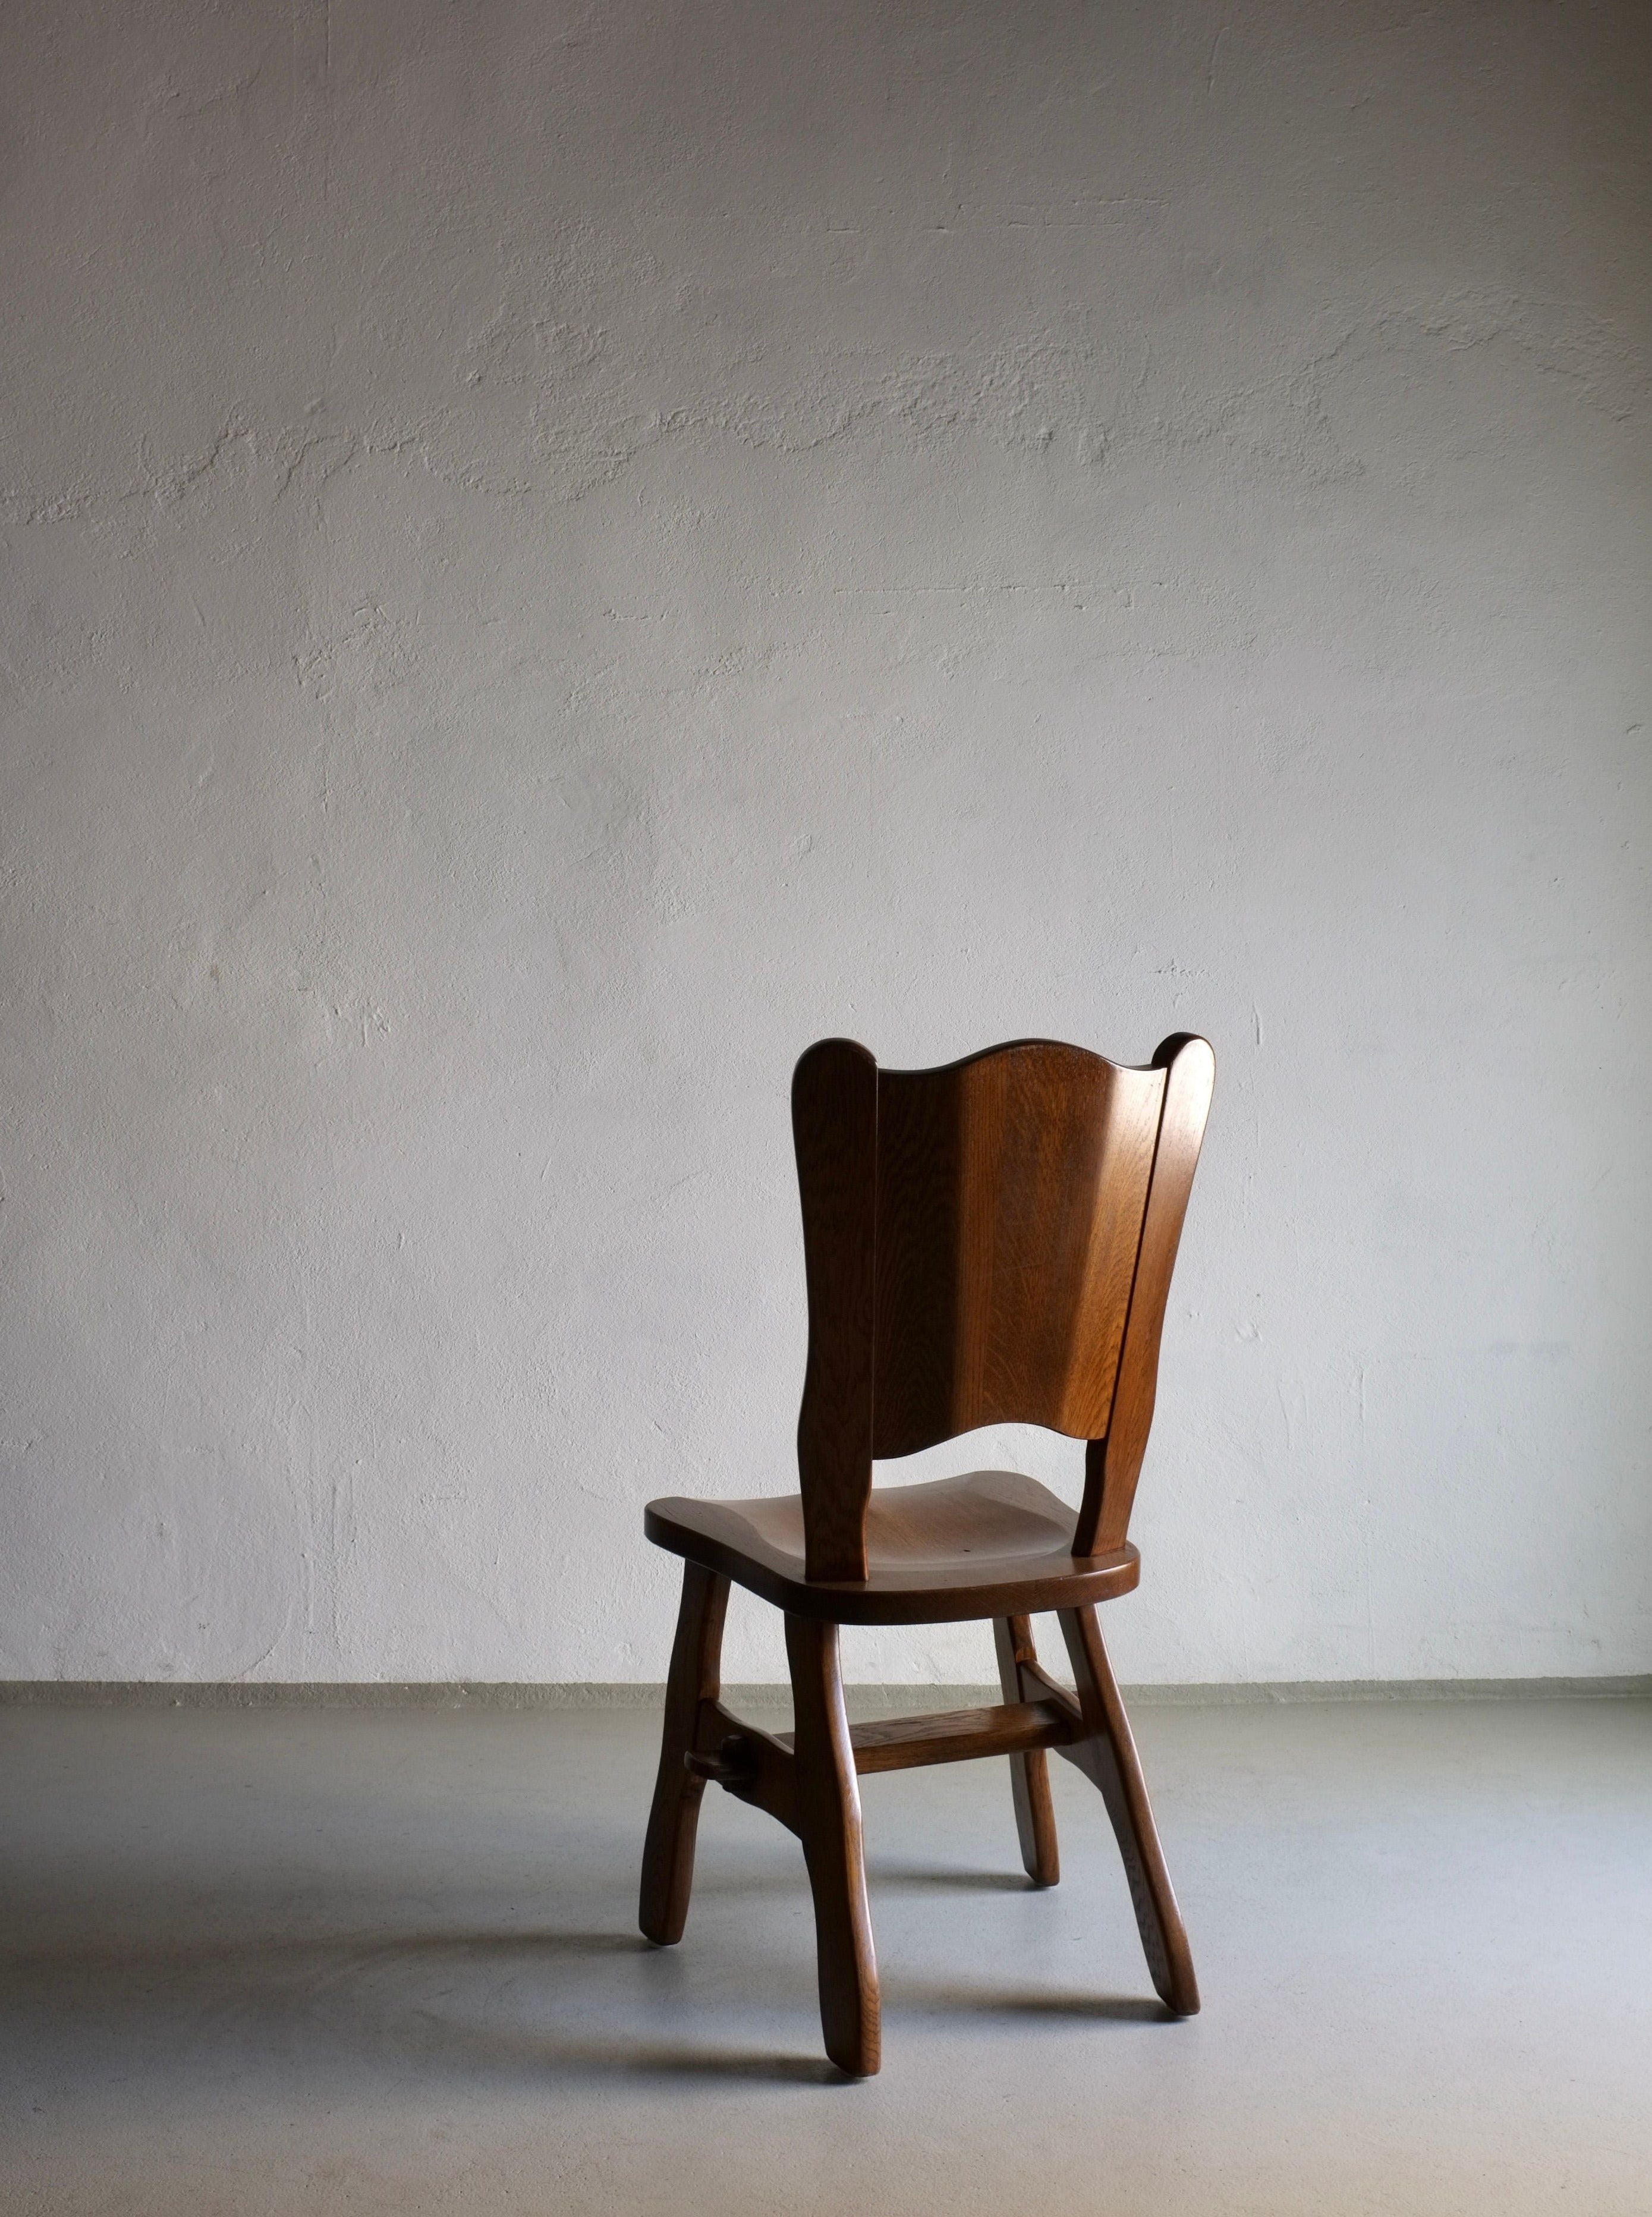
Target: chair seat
(990, 1543)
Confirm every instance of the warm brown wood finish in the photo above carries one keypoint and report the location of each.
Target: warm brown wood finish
(989, 1243)
(753, 1765)
(1114, 1462)
(835, 1129)
(1029, 1774)
(761, 1767)
(1106, 1751)
(954, 1736)
(987, 1544)
(669, 1851)
(829, 1812)
(1010, 1193)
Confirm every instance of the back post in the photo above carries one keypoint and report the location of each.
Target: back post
(835, 1127)
(1112, 1464)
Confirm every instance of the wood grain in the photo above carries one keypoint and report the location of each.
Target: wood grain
(753, 1765)
(953, 1736)
(1105, 1752)
(1113, 1463)
(1029, 1774)
(668, 1850)
(1011, 1188)
(834, 1131)
(828, 1811)
(987, 1543)
(988, 1243)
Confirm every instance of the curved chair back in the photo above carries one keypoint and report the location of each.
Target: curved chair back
(987, 1243)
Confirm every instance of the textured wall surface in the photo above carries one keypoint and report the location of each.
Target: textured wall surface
(555, 554)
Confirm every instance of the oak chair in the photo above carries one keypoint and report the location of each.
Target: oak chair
(989, 1243)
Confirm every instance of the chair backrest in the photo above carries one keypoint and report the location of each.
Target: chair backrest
(987, 1243)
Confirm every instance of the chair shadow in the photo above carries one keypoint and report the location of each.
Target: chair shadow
(955, 1997)
(361, 1997)
(670, 2060)
(359, 1949)
(882, 1876)
(365, 1996)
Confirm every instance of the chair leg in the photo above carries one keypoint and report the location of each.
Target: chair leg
(669, 1853)
(1108, 1756)
(828, 1813)
(1029, 1775)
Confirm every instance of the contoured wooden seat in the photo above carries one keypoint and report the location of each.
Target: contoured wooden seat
(990, 1543)
(988, 1243)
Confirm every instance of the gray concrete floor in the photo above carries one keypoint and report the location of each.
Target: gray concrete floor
(281, 1962)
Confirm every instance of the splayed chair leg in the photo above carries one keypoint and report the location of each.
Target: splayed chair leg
(1029, 1775)
(669, 1853)
(1107, 1755)
(828, 1820)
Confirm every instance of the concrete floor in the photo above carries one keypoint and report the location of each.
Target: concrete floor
(280, 1961)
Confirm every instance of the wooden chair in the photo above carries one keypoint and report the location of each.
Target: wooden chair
(991, 1243)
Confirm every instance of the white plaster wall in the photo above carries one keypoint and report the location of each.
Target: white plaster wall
(555, 554)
